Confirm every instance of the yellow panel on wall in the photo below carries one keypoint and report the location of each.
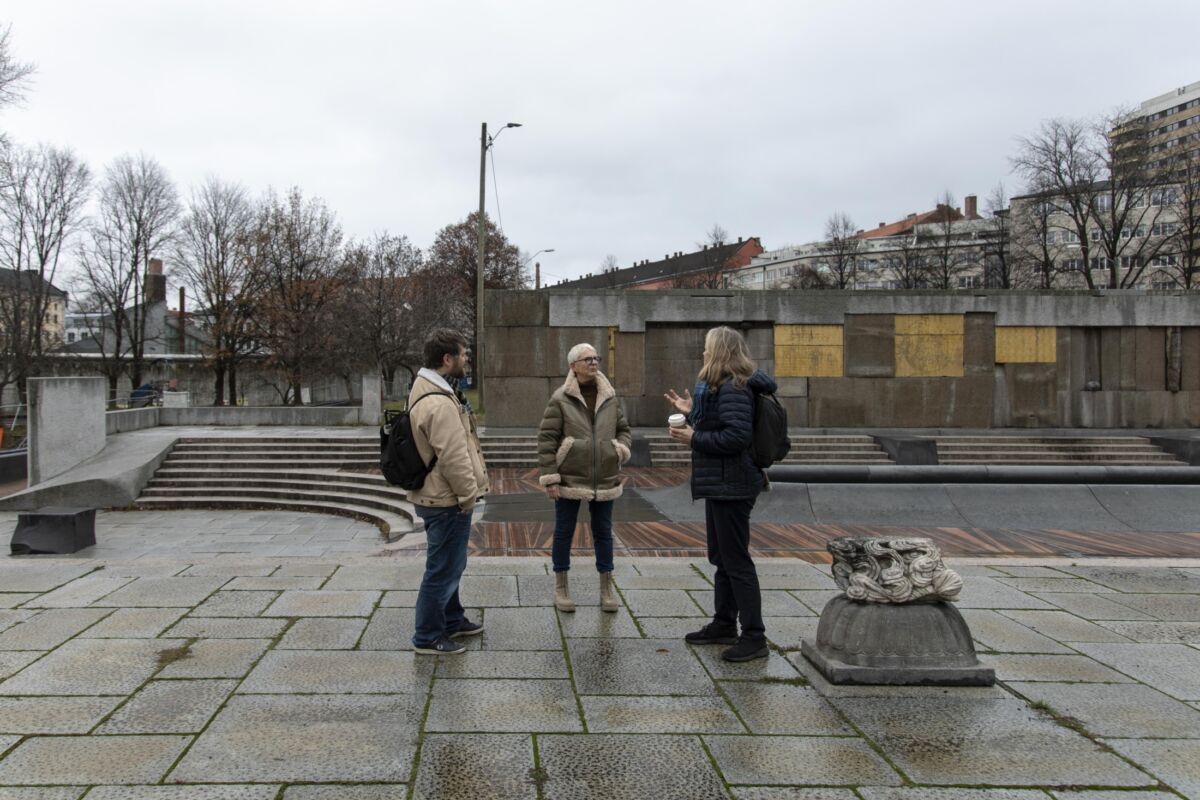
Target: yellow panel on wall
(808, 361)
(939, 324)
(1026, 345)
(827, 335)
(929, 356)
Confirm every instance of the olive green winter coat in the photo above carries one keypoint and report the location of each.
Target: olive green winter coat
(579, 452)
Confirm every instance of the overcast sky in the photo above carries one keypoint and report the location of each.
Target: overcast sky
(644, 122)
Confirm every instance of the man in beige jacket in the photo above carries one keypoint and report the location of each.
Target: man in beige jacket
(446, 437)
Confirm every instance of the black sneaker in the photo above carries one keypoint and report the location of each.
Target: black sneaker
(712, 633)
(746, 650)
(442, 647)
(467, 628)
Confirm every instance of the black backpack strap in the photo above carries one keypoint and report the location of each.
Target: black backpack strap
(413, 405)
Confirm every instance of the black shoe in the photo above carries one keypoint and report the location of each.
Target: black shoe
(467, 628)
(442, 647)
(712, 634)
(746, 650)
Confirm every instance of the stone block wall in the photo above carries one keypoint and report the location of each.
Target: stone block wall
(869, 359)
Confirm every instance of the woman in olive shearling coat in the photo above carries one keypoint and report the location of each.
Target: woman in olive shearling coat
(582, 443)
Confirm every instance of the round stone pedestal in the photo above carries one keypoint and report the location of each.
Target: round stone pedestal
(909, 644)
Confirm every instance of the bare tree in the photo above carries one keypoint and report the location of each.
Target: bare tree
(14, 77)
(1034, 264)
(999, 266)
(908, 264)
(802, 277)
(840, 250)
(945, 260)
(212, 251)
(1179, 253)
(42, 196)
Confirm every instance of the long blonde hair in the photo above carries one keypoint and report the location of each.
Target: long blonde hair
(726, 356)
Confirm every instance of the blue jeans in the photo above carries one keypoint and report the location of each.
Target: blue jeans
(565, 514)
(439, 612)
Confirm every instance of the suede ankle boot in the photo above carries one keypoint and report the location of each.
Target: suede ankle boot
(608, 596)
(562, 595)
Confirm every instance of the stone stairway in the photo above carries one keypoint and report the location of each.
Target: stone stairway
(512, 451)
(806, 449)
(1053, 451)
(321, 475)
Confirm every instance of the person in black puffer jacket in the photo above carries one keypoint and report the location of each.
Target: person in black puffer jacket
(720, 430)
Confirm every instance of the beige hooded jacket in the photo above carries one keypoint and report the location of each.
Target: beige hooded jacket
(442, 427)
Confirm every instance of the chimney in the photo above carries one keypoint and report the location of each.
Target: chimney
(911, 216)
(537, 275)
(969, 203)
(155, 289)
(182, 322)
(883, 224)
(739, 240)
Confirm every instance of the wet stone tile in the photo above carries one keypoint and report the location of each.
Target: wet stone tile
(1139, 579)
(88, 760)
(234, 604)
(323, 603)
(81, 591)
(50, 628)
(804, 579)
(991, 593)
(501, 664)
(217, 658)
(1092, 606)
(680, 581)
(170, 707)
(927, 793)
(227, 628)
(994, 631)
(488, 591)
(1166, 607)
(42, 715)
(662, 603)
(1175, 761)
(787, 632)
(1133, 711)
(162, 592)
(1185, 632)
(589, 622)
(799, 760)
(791, 793)
(773, 666)
(25, 576)
(671, 627)
(783, 708)
(538, 590)
(133, 623)
(316, 633)
(337, 672)
(660, 715)
(373, 791)
(641, 666)
(1064, 627)
(1081, 669)
(502, 705)
(521, 629)
(227, 792)
(273, 583)
(956, 740)
(1170, 668)
(466, 767)
(1063, 583)
(91, 667)
(321, 738)
(626, 768)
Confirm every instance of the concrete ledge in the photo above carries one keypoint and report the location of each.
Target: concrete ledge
(908, 449)
(320, 416)
(894, 473)
(1185, 448)
(133, 419)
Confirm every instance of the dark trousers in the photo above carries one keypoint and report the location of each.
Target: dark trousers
(566, 512)
(727, 523)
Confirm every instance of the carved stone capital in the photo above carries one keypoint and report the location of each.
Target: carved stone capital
(892, 570)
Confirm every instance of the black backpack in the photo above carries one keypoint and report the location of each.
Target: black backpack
(771, 442)
(399, 458)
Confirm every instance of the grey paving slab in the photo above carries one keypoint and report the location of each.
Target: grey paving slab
(234, 604)
(89, 760)
(134, 623)
(1170, 668)
(994, 631)
(217, 658)
(670, 566)
(81, 592)
(791, 793)
(13, 662)
(359, 577)
(318, 633)
(956, 740)
(14, 599)
(521, 629)
(662, 603)
(1074, 507)
(399, 598)
(323, 603)
(538, 590)
(228, 792)
(774, 666)
(1133, 711)
(814, 599)
(320, 738)
(274, 583)
(170, 707)
(1100, 794)
(231, 570)
(50, 628)
(660, 715)
(41, 715)
(466, 767)
(373, 791)
(957, 793)
(788, 632)
(982, 592)
(29, 576)
(1064, 627)
(41, 793)
(589, 622)
(1092, 606)
(338, 672)
(1078, 669)
(500, 664)
(642, 666)
(227, 628)
(775, 603)
(1063, 584)
(502, 706)
(918, 505)
(8, 741)
(9, 617)
(1175, 761)
(1168, 607)
(1185, 632)
(627, 768)
(800, 760)
(687, 580)
(671, 627)
(828, 690)
(488, 591)
(162, 592)
(1139, 579)
(91, 667)
(1018, 571)
(389, 629)
(784, 708)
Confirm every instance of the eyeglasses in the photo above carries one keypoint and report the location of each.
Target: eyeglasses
(589, 360)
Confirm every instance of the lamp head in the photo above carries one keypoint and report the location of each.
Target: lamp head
(513, 125)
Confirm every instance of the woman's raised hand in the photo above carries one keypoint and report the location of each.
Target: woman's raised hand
(681, 404)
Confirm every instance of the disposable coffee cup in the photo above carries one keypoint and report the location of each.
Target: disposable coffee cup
(677, 420)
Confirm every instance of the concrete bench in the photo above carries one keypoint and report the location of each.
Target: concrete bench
(54, 531)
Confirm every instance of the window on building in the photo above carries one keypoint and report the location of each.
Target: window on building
(1163, 228)
(1164, 261)
(1103, 202)
(1072, 265)
(970, 281)
(70, 336)
(1101, 262)
(1164, 197)
(1131, 262)
(1069, 237)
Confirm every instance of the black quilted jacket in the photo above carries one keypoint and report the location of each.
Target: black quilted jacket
(723, 422)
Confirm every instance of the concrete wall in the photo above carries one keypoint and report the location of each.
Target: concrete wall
(262, 415)
(132, 419)
(66, 424)
(870, 359)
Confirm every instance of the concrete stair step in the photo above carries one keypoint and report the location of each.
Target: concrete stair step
(392, 525)
(290, 494)
(237, 447)
(1062, 460)
(393, 494)
(1087, 456)
(219, 472)
(273, 455)
(287, 440)
(1041, 439)
(272, 465)
(1115, 447)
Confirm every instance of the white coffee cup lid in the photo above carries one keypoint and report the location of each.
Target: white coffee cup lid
(676, 420)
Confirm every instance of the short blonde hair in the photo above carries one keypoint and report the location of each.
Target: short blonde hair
(576, 352)
(727, 357)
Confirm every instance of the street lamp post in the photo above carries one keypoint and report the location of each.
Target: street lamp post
(485, 142)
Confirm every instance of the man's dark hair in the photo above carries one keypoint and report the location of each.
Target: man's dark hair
(442, 342)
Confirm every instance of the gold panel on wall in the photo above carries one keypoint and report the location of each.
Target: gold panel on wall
(826, 335)
(929, 356)
(808, 361)
(1026, 345)
(929, 324)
